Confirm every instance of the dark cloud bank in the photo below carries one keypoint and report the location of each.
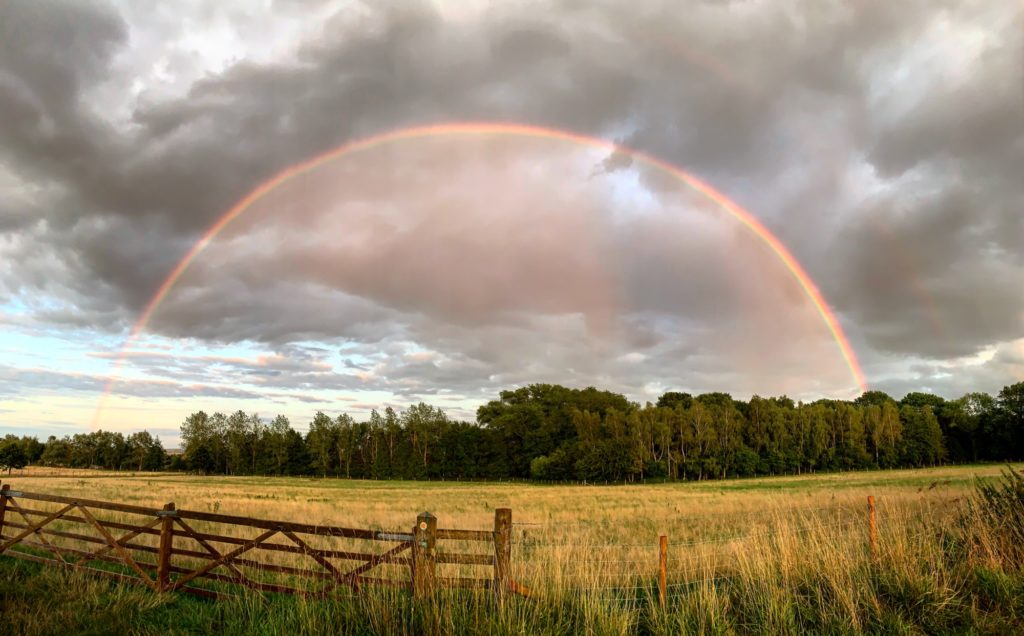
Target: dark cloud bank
(883, 142)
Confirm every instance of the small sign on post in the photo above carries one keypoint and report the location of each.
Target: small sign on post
(424, 565)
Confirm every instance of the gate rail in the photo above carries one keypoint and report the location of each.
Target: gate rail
(231, 550)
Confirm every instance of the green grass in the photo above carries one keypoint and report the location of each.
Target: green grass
(40, 600)
(963, 475)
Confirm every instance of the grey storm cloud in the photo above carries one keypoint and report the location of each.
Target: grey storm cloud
(881, 141)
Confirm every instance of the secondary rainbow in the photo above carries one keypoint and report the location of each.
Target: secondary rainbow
(520, 130)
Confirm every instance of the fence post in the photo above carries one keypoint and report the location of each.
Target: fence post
(502, 548)
(3, 507)
(872, 528)
(424, 567)
(163, 566)
(663, 571)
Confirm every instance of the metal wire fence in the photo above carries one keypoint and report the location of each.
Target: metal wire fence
(630, 570)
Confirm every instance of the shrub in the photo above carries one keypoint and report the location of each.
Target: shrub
(999, 506)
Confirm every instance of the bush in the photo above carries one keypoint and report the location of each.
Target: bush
(999, 505)
(539, 467)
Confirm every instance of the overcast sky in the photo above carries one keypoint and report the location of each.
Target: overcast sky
(881, 142)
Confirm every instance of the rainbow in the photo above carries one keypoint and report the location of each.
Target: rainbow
(508, 129)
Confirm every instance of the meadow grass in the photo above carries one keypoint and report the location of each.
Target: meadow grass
(772, 555)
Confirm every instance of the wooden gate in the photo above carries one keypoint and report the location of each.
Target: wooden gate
(167, 549)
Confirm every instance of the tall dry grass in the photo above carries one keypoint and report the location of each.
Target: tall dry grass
(760, 556)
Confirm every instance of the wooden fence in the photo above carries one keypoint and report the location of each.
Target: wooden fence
(270, 556)
(211, 554)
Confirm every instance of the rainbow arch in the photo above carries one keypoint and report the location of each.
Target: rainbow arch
(747, 219)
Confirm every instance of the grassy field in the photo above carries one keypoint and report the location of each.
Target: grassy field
(770, 555)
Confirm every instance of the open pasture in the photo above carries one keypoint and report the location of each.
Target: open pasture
(782, 552)
(596, 538)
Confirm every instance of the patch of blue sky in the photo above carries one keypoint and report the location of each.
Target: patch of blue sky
(52, 350)
(14, 306)
(627, 198)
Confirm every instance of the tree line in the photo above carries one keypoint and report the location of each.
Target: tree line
(99, 449)
(553, 433)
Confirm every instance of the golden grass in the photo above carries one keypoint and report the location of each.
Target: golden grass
(773, 555)
(596, 538)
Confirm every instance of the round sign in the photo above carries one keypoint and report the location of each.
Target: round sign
(423, 525)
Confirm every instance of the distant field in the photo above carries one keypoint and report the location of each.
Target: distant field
(600, 542)
(706, 522)
(615, 509)
(687, 512)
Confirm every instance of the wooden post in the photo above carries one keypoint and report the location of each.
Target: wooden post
(663, 571)
(163, 566)
(424, 566)
(3, 507)
(872, 528)
(502, 548)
